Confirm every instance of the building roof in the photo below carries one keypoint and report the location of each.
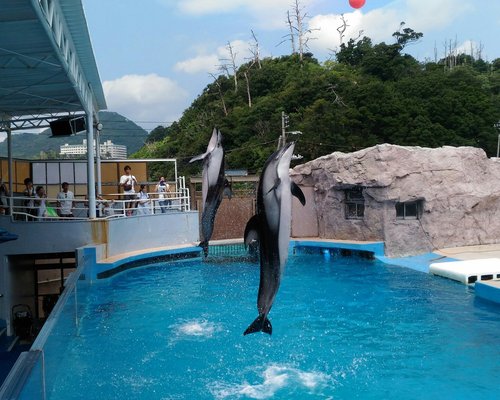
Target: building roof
(47, 64)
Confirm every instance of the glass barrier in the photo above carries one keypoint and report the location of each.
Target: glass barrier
(35, 371)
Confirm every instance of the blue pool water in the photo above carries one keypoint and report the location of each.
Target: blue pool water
(343, 328)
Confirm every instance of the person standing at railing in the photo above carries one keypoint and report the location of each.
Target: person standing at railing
(143, 206)
(39, 201)
(65, 200)
(162, 188)
(127, 182)
(29, 203)
(4, 202)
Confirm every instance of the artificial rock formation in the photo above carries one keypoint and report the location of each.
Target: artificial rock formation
(458, 190)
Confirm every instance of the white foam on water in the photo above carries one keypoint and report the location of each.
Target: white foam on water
(274, 378)
(195, 328)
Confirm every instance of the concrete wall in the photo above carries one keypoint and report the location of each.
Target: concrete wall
(112, 237)
(305, 218)
(232, 217)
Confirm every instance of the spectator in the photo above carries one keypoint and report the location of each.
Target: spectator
(127, 182)
(65, 203)
(29, 203)
(39, 201)
(143, 207)
(162, 189)
(4, 202)
(105, 207)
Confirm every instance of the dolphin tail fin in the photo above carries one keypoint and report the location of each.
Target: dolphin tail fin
(261, 324)
(204, 246)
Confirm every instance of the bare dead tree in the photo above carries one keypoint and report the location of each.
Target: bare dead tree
(232, 54)
(255, 50)
(479, 51)
(338, 100)
(341, 29)
(303, 33)
(299, 35)
(221, 95)
(249, 95)
(228, 65)
(291, 35)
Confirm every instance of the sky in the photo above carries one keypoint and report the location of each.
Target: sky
(156, 56)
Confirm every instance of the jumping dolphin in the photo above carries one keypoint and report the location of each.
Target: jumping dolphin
(213, 185)
(271, 225)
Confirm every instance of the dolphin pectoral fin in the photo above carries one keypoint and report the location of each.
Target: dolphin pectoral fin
(198, 157)
(251, 230)
(275, 186)
(261, 324)
(297, 192)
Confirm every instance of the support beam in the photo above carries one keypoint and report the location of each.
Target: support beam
(90, 162)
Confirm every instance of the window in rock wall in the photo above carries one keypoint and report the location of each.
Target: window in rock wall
(409, 209)
(354, 203)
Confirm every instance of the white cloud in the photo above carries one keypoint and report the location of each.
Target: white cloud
(263, 14)
(201, 63)
(200, 7)
(379, 24)
(210, 63)
(146, 98)
(469, 47)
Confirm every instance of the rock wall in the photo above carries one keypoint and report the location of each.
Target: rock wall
(459, 189)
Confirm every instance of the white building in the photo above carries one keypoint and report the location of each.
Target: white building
(107, 149)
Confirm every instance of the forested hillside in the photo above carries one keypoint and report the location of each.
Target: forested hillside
(370, 94)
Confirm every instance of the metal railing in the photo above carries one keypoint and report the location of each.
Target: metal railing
(113, 205)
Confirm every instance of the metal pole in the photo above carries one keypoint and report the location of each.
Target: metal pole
(98, 160)
(498, 144)
(497, 126)
(10, 166)
(283, 127)
(90, 161)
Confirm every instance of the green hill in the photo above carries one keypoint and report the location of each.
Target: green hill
(369, 94)
(116, 128)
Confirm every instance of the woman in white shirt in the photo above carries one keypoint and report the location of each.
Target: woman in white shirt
(40, 197)
(162, 188)
(143, 206)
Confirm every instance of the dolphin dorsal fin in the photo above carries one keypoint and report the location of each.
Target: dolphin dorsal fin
(297, 192)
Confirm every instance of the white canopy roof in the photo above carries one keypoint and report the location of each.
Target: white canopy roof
(47, 65)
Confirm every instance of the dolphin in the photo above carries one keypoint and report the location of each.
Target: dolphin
(270, 227)
(214, 185)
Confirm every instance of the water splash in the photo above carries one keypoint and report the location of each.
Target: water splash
(275, 377)
(195, 328)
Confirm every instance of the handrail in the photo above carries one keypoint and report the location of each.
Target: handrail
(111, 207)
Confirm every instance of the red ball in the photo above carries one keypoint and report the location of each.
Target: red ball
(357, 3)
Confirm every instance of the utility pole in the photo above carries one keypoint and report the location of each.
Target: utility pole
(284, 124)
(497, 125)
